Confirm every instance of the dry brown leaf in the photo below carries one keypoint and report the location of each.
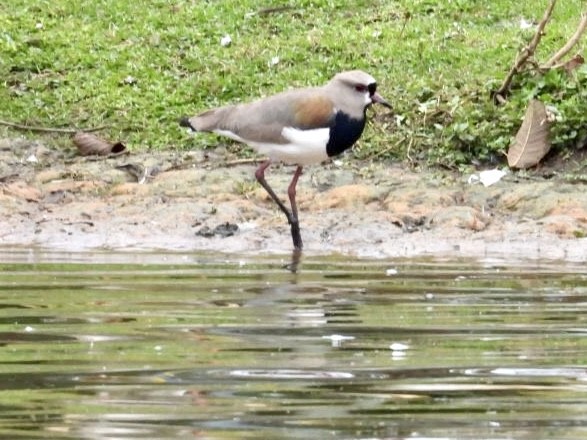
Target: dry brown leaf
(88, 145)
(573, 63)
(532, 140)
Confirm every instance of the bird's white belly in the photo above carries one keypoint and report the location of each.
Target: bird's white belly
(292, 154)
(305, 147)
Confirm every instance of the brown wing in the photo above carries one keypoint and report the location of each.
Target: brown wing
(263, 120)
(313, 112)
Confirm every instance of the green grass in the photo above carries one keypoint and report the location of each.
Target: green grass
(138, 66)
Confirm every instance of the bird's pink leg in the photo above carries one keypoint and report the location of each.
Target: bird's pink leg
(291, 218)
(260, 176)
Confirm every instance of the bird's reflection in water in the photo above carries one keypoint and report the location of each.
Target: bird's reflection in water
(296, 257)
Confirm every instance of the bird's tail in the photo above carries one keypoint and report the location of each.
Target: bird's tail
(208, 121)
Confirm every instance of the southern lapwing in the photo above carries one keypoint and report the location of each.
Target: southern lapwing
(297, 127)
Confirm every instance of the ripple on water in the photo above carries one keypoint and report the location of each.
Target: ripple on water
(173, 346)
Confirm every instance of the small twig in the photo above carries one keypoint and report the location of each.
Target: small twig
(568, 45)
(105, 157)
(385, 150)
(407, 17)
(523, 56)
(217, 164)
(266, 11)
(410, 149)
(271, 10)
(79, 222)
(49, 129)
(235, 162)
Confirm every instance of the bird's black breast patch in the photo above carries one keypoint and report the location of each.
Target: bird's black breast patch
(344, 132)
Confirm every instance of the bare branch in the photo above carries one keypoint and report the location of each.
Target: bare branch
(231, 163)
(49, 129)
(270, 10)
(267, 11)
(500, 94)
(569, 44)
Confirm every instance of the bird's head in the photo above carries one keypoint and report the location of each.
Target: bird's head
(356, 90)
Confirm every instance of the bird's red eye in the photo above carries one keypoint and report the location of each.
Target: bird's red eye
(361, 88)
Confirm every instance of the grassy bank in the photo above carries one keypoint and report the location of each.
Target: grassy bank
(138, 66)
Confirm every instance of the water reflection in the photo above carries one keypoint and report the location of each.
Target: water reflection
(190, 346)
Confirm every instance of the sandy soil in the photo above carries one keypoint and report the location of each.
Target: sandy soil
(190, 201)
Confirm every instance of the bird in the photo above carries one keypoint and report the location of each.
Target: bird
(300, 127)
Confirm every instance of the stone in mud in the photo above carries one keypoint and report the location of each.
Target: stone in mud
(222, 230)
(226, 229)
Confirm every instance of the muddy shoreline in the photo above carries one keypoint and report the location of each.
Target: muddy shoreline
(56, 200)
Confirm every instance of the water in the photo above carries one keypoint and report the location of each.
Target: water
(169, 346)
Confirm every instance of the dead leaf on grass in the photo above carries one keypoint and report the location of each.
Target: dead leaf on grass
(573, 63)
(89, 145)
(532, 140)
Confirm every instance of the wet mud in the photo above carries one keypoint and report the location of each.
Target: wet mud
(210, 201)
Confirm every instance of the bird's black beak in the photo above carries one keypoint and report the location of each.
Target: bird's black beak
(376, 97)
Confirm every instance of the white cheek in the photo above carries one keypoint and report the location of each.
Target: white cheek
(368, 99)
